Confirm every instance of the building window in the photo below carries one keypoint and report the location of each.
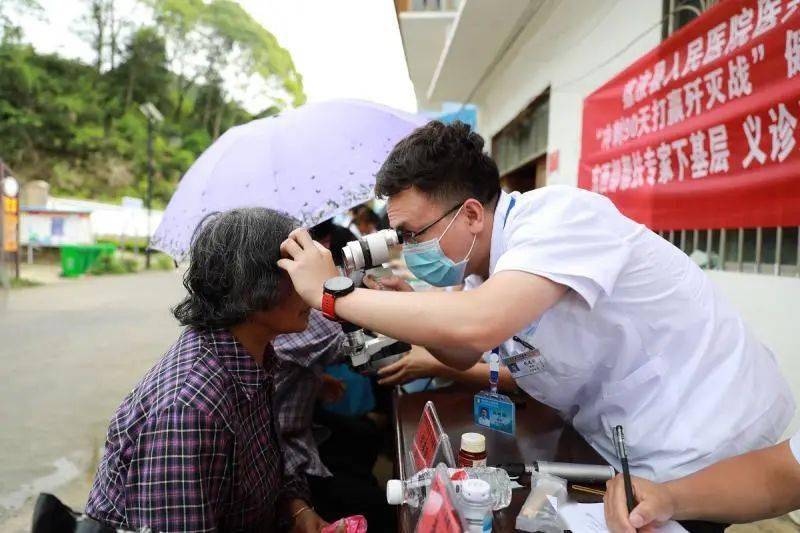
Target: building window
(426, 5)
(520, 145)
(679, 13)
(773, 251)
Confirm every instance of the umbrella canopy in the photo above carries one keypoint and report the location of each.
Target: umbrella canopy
(312, 162)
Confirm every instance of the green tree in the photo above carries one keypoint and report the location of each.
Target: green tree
(103, 26)
(144, 76)
(221, 34)
(177, 20)
(10, 31)
(79, 127)
(261, 53)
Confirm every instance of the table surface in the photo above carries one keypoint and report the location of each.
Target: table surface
(541, 435)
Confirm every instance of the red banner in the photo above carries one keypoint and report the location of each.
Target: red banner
(702, 132)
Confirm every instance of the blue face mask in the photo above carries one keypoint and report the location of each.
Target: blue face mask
(427, 261)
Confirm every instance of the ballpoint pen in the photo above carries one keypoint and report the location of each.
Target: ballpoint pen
(619, 443)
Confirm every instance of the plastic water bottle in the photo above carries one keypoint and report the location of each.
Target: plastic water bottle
(414, 490)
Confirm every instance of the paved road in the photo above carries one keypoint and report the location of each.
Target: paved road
(69, 354)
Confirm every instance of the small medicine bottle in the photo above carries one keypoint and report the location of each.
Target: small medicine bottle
(473, 450)
(476, 505)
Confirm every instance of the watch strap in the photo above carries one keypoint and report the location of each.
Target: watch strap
(329, 306)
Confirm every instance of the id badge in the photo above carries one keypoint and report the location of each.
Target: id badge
(525, 363)
(530, 361)
(494, 411)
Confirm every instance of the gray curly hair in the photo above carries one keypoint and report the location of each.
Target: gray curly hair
(233, 269)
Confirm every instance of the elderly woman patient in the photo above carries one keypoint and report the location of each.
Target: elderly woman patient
(193, 447)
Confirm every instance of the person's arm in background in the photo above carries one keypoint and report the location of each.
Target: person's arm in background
(297, 512)
(320, 343)
(297, 384)
(419, 363)
(294, 398)
(754, 486)
(399, 284)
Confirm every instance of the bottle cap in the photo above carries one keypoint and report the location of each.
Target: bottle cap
(394, 492)
(476, 490)
(473, 442)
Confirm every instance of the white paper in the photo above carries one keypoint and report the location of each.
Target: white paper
(589, 518)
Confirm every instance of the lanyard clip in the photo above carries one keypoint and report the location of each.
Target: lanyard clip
(494, 371)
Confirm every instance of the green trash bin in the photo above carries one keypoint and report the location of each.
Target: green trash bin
(78, 259)
(92, 252)
(106, 249)
(96, 251)
(73, 261)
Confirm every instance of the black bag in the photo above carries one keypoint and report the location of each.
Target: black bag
(52, 516)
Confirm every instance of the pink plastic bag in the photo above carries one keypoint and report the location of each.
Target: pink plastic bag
(351, 524)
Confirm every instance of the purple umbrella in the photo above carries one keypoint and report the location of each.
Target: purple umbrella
(312, 162)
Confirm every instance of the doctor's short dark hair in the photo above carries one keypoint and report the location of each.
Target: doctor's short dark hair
(233, 270)
(444, 161)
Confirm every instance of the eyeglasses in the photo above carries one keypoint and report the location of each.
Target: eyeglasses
(412, 237)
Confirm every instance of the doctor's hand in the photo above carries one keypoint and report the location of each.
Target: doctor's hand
(309, 264)
(388, 283)
(418, 363)
(655, 505)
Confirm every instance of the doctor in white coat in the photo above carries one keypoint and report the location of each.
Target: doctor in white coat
(596, 315)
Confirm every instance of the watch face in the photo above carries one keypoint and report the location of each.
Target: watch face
(338, 284)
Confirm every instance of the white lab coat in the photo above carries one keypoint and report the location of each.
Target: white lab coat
(643, 338)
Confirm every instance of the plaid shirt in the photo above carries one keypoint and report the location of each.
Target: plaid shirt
(302, 358)
(192, 447)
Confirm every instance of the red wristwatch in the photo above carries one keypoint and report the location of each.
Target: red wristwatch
(332, 289)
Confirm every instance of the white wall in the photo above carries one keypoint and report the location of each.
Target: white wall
(566, 41)
(113, 220)
(37, 228)
(771, 306)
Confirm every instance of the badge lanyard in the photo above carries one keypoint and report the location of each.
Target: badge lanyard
(494, 371)
(491, 409)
